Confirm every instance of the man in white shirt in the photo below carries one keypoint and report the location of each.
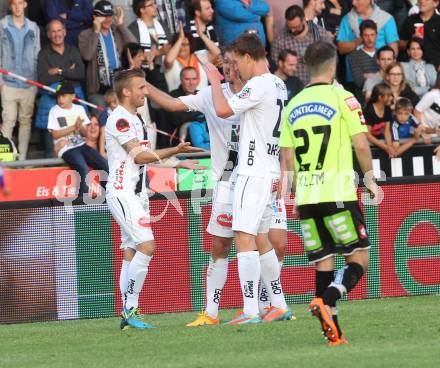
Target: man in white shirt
(128, 151)
(260, 104)
(224, 156)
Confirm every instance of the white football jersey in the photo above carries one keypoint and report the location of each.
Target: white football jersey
(260, 103)
(122, 126)
(223, 133)
(430, 106)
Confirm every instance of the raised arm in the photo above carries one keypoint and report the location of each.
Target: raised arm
(164, 100)
(221, 106)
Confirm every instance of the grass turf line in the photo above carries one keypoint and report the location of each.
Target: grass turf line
(392, 332)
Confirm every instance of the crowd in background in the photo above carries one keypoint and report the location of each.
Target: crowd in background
(389, 58)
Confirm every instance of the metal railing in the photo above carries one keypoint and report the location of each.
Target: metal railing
(48, 162)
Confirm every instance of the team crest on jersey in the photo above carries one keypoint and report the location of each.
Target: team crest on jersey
(311, 108)
(225, 220)
(245, 93)
(122, 125)
(352, 103)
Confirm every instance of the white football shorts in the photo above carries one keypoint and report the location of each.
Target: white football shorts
(133, 216)
(252, 210)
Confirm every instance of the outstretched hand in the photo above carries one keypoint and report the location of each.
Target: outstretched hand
(212, 73)
(191, 165)
(186, 147)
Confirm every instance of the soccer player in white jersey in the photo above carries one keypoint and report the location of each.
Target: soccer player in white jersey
(124, 133)
(259, 104)
(224, 153)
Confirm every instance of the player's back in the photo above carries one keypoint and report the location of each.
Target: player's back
(261, 102)
(319, 123)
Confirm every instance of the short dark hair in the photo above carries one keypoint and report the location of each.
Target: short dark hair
(384, 49)
(48, 25)
(318, 56)
(186, 69)
(403, 103)
(293, 12)
(137, 6)
(193, 6)
(122, 79)
(380, 89)
(417, 40)
(368, 24)
(249, 43)
(282, 56)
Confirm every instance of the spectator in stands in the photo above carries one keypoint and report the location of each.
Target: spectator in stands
(385, 56)
(233, 17)
(153, 36)
(188, 86)
(57, 62)
(101, 46)
(202, 15)
(395, 78)
(20, 44)
(333, 13)
(68, 126)
(199, 134)
(348, 38)
(93, 133)
(297, 36)
(172, 13)
(378, 116)
(286, 69)
(427, 111)
(419, 75)
(182, 54)
(148, 29)
(404, 126)
(8, 151)
(275, 20)
(111, 103)
(75, 14)
(362, 62)
(429, 31)
(312, 10)
(349, 31)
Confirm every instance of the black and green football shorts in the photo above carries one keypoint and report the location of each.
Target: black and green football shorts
(328, 230)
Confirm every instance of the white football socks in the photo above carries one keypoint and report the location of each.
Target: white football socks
(123, 279)
(216, 275)
(137, 272)
(249, 274)
(270, 273)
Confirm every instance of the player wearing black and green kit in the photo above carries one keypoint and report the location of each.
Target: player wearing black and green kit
(320, 125)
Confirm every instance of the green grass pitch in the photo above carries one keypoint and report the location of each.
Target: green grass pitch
(393, 332)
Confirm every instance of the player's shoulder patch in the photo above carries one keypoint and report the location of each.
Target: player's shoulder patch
(245, 93)
(362, 117)
(122, 125)
(352, 103)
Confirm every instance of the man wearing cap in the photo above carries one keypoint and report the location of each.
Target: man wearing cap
(67, 124)
(101, 46)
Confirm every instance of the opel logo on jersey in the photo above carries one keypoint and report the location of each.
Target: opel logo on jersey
(312, 108)
(122, 125)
